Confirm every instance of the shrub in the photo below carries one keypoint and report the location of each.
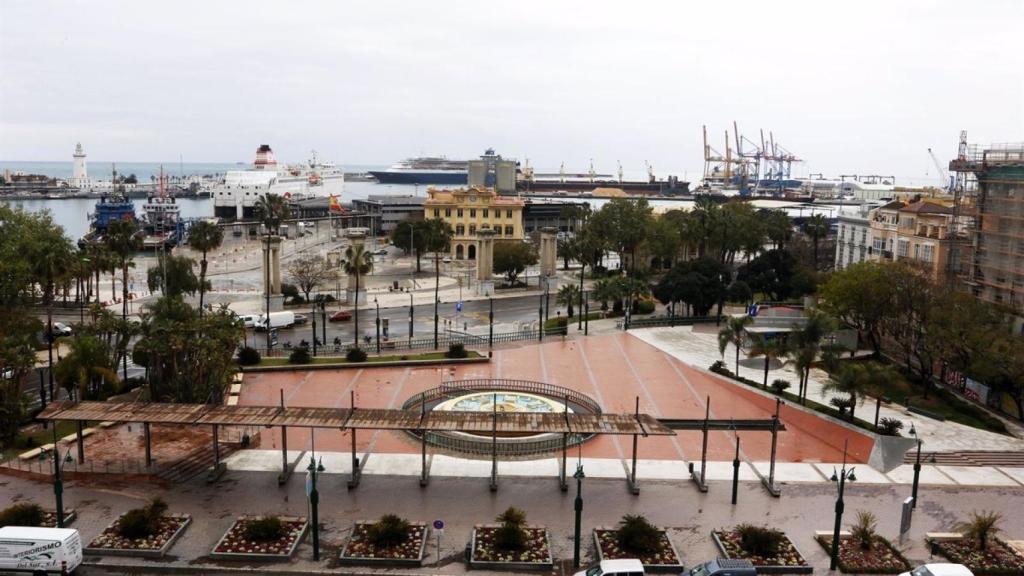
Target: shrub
(841, 404)
(300, 356)
(638, 536)
(22, 514)
(289, 290)
(456, 350)
(982, 527)
(248, 356)
(719, 367)
(355, 355)
(760, 540)
(890, 426)
(864, 529)
(264, 529)
(644, 307)
(142, 522)
(390, 530)
(779, 386)
(323, 298)
(511, 535)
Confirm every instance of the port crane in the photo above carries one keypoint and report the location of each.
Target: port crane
(947, 184)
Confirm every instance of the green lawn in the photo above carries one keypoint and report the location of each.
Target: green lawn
(904, 391)
(369, 360)
(34, 436)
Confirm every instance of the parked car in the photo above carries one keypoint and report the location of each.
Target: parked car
(624, 567)
(381, 252)
(447, 260)
(940, 569)
(723, 567)
(301, 319)
(40, 550)
(341, 316)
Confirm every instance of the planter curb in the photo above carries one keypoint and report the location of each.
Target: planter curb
(383, 562)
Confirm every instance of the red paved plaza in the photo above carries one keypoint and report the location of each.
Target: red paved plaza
(612, 369)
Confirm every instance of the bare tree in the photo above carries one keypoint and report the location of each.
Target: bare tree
(308, 272)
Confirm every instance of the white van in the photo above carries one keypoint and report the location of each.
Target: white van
(250, 320)
(39, 550)
(277, 320)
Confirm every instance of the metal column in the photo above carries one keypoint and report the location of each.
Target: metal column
(81, 442)
(633, 486)
(494, 444)
(424, 475)
(769, 484)
(356, 470)
(149, 444)
(702, 479)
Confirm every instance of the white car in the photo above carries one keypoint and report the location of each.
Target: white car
(447, 260)
(939, 570)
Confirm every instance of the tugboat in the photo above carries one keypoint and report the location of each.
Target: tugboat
(111, 207)
(162, 222)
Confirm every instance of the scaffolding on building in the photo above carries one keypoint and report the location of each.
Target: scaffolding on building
(988, 208)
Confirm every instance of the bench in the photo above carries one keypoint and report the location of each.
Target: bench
(107, 424)
(828, 534)
(236, 389)
(942, 536)
(232, 400)
(237, 378)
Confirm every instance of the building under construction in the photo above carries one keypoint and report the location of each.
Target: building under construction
(989, 200)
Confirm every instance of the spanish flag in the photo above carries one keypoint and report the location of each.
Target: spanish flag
(334, 206)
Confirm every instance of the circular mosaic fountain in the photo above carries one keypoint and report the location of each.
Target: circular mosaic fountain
(505, 396)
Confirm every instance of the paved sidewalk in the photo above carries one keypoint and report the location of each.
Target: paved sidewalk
(463, 502)
(699, 348)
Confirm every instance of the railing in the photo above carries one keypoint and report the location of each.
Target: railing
(666, 321)
(427, 342)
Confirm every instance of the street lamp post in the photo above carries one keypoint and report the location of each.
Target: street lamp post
(410, 316)
(841, 477)
(917, 466)
(58, 481)
(586, 315)
(314, 501)
(579, 476)
(377, 304)
(437, 300)
(312, 312)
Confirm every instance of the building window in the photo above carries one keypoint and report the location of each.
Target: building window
(472, 229)
(903, 249)
(472, 212)
(460, 229)
(497, 230)
(927, 254)
(509, 231)
(459, 213)
(437, 212)
(508, 213)
(487, 213)
(448, 212)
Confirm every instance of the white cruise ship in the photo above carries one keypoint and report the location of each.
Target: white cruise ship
(235, 197)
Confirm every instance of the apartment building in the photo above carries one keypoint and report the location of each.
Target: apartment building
(468, 210)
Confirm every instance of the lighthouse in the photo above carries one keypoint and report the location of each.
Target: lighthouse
(79, 174)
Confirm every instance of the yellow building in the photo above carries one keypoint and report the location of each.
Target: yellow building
(468, 210)
(917, 232)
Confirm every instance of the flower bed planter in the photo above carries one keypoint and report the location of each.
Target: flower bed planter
(788, 561)
(234, 546)
(110, 543)
(664, 560)
(536, 555)
(999, 558)
(882, 558)
(50, 518)
(409, 553)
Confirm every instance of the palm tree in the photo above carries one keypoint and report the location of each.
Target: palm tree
(816, 227)
(272, 210)
(204, 236)
(770, 348)
(52, 263)
(605, 290)
(438, 239)
(123, 240)
(864, 530)
(87, 368)
(357, 261)
(734, 332)
(568, 295)
(856, 380)
(805, 344)
(982, 527)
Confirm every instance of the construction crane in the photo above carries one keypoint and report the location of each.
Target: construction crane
(947, 185)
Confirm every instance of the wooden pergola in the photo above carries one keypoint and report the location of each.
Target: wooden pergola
(355, 419)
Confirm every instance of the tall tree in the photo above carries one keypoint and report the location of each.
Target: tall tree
(176, 277)
(816, 227)
(512, 258)
(308, 272)
(734, 332)
(778, 227)
(856, 380)
(568, 294)
(89, 371)
(771, 348)
(123, 239)
(357, 261)
(204, 236)
(272, 210)
(626, 223)
(860, 296)
(805, 344)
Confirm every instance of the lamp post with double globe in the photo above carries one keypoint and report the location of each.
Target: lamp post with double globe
(917, 465)
(839, 477)
(315, 469)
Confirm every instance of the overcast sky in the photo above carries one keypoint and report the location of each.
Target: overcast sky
(850, 87)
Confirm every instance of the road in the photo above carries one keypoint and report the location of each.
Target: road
(474, 314)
